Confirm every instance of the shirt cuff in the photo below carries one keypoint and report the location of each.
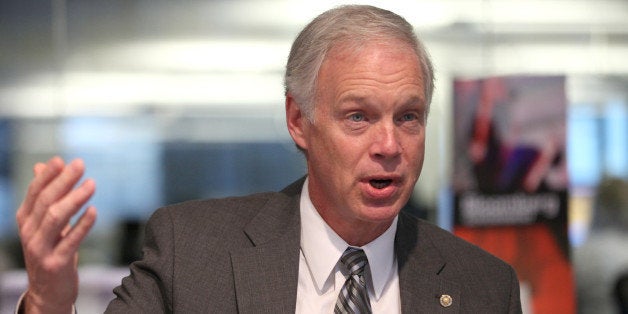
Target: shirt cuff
(20, 310)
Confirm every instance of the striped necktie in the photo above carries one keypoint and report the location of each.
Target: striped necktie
(353, 297)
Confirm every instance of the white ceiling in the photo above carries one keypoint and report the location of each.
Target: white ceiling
(122, 57)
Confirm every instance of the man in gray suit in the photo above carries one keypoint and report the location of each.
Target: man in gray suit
(358, 88)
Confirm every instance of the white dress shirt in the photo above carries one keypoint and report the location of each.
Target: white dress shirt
(321, 278)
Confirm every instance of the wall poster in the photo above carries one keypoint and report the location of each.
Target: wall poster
(510, 181)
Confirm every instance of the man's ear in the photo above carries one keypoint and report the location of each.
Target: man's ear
(297, 122)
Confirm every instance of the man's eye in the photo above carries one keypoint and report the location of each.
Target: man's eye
(356, 117)
(408, 117)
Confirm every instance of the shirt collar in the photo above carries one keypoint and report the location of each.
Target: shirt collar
(322, 248)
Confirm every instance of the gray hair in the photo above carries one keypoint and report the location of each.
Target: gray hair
(349, 23)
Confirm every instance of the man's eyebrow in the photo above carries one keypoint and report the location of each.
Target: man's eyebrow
(356, 98)
(414, 100)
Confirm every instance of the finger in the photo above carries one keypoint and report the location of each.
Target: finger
(66, 230)
(46, 174)
(39, 168)
(58, 216)
(56, 190)
(70, 243)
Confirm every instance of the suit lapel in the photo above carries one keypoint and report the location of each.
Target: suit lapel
(420, 265)
(266, 275)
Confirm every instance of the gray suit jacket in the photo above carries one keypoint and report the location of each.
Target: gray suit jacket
(241, 255)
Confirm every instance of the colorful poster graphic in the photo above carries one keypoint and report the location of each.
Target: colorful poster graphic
(510, 181)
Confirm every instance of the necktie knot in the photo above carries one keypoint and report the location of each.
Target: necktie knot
(355, 261)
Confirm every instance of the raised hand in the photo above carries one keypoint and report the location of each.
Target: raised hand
(50, 244)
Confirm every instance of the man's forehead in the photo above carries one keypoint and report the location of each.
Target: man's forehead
(353, 47)
(392, 57)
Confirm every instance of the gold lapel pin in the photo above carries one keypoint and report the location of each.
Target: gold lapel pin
(446, 300)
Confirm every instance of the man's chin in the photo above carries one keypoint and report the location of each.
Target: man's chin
(381, 213)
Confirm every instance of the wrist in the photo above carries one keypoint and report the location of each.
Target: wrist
(33, 304)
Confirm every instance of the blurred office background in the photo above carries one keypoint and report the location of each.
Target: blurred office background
(172, 100)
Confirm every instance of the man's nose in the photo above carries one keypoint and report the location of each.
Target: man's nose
(386, 142)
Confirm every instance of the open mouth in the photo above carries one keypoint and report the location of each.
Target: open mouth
(380, 183)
